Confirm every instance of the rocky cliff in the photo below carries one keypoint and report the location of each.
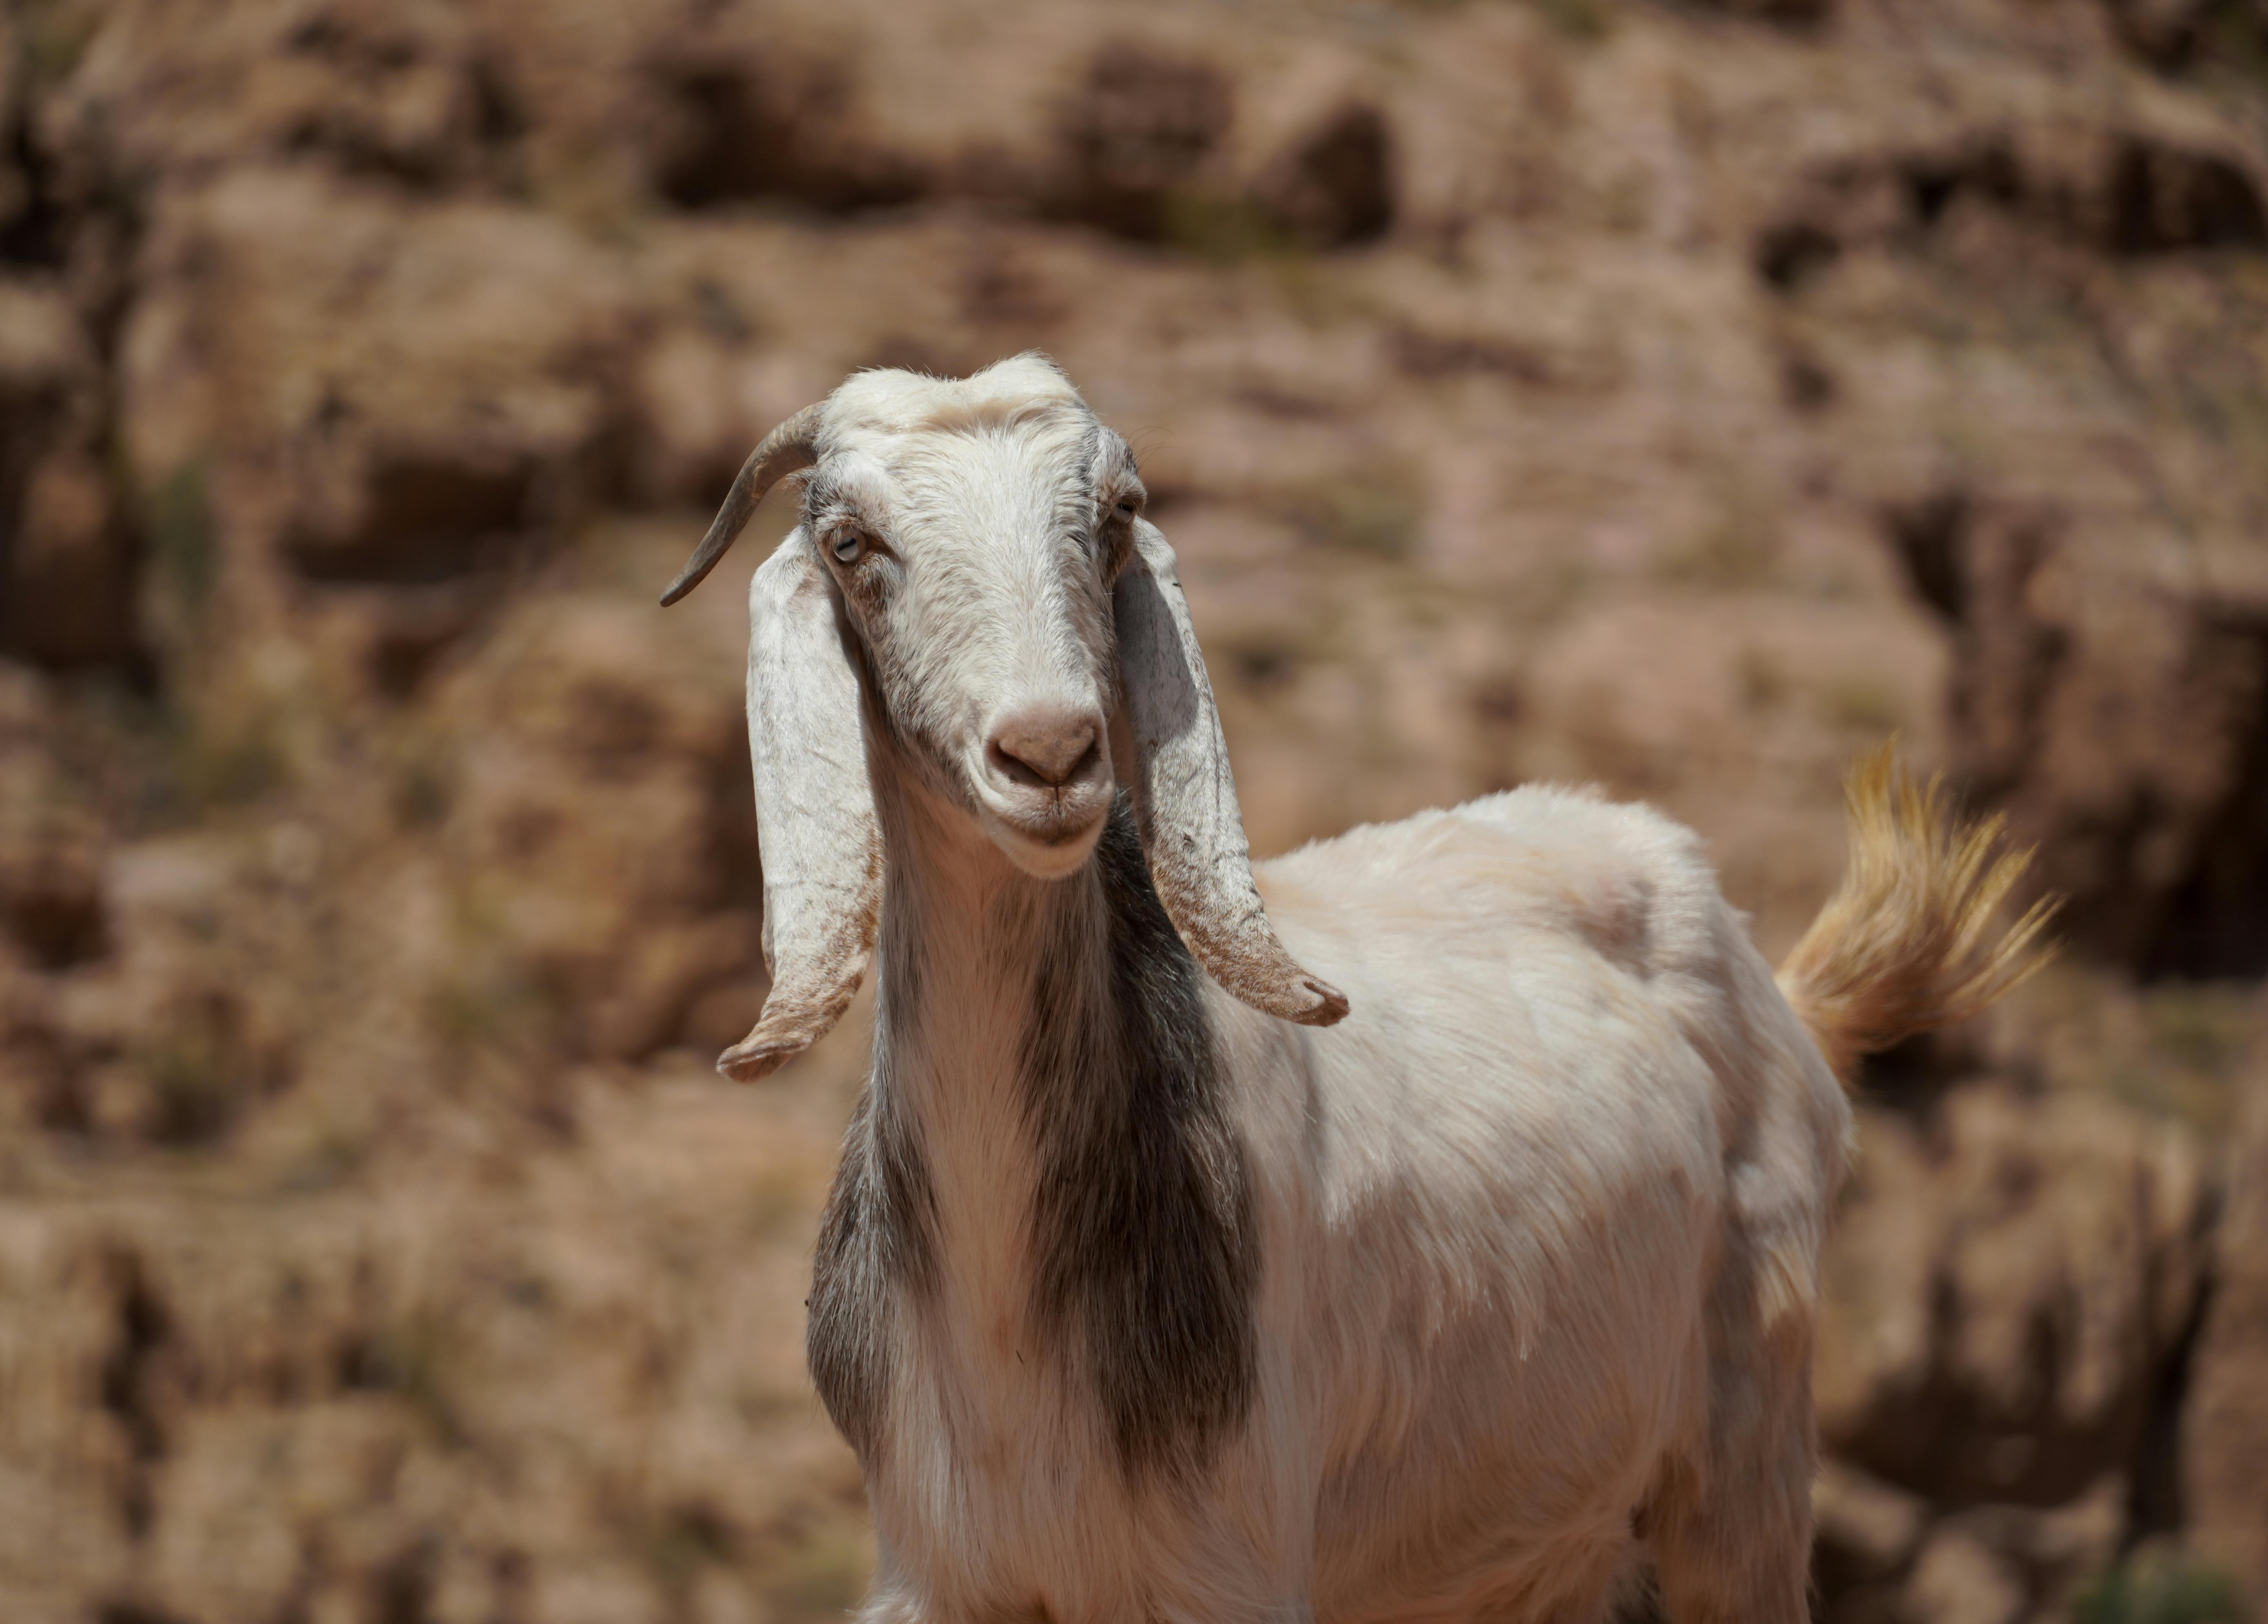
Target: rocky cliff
(1682, 396)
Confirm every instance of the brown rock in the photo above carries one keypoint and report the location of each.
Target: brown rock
(2224, 1425)
(1865, 1531)
(2121, 727)
(430, 410)
(2162, 33)
(51, 902)
(1997, 1563)
(70, 588)
(66, 566)
(421, 391)
(2053, 1553)
(1335, 184)
(776, 119)
(2165, 197)
(411, 93)
(1139, 128)
(611, 836)
(1959, 1579)
(2001, 1312)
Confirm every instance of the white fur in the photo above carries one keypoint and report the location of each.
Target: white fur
(1497, 1201)
(1537, 1221)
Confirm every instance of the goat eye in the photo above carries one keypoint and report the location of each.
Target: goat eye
(1126, 507)
(847, 547)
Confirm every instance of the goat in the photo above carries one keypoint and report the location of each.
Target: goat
(1160, 1279)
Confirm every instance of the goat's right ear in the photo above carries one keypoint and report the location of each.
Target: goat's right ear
(815, 823)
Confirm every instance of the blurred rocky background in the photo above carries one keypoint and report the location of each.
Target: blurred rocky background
(1678, 394)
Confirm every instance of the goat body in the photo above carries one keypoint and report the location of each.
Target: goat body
(1141, 1296)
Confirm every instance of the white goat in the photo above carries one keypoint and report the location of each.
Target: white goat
(1140, 1298)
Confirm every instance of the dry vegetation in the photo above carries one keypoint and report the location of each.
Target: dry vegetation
(1682, 396)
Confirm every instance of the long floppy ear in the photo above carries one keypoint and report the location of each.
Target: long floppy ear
(815, 823)
(1185, 800)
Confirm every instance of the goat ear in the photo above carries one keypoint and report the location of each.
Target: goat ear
(815, 825)
(1185, 800)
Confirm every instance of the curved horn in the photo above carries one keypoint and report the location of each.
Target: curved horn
(785, 450)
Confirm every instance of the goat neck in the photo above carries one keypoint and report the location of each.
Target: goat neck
(1047, 1046)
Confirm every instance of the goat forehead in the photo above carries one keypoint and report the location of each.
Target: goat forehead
(995, 490)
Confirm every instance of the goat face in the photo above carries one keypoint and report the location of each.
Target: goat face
(975, 549)
(973, 558)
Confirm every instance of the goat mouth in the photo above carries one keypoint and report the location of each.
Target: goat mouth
(1060, 827)
(1049, 834)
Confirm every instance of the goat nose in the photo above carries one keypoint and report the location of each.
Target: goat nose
(1044, 745)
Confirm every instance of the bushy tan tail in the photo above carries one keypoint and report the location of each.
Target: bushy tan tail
(1906, 943)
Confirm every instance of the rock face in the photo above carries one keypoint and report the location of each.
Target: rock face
(1563, 389)
(2008, 1297)
(2225, 1421)
(2010, 1294)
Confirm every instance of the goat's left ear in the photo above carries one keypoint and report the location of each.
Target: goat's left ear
(1185, 800)
(820, 842)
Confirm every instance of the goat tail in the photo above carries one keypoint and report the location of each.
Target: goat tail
(1906, 943)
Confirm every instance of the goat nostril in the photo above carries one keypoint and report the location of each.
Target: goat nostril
(1043, 750)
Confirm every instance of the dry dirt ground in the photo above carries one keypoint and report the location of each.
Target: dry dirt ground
(1682, 396)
